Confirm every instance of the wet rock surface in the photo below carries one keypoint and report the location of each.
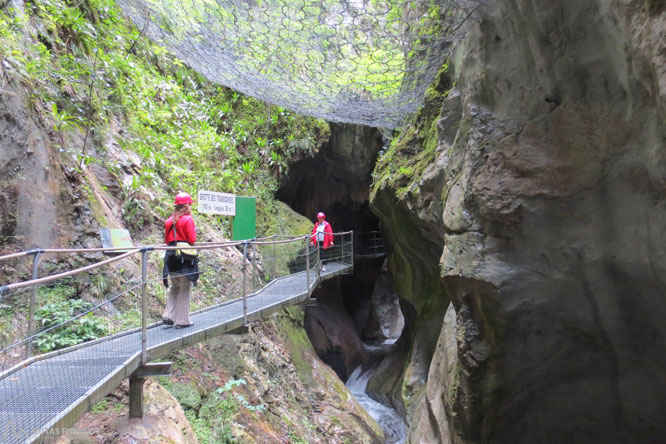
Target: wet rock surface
(332, 332)
(30, 191)
(545, 202)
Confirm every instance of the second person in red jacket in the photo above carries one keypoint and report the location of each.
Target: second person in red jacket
(322, 236)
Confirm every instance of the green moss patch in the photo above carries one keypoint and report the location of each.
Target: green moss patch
(403, 163)
(290, 324)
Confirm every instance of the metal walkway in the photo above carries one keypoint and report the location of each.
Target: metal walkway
(54, 391)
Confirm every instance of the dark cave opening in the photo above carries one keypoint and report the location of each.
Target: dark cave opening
(363, 306)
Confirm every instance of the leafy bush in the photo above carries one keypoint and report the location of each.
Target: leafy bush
(82, 329)
(220, 410)
(87, 69)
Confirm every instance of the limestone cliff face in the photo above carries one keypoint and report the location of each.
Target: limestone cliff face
(539, 213)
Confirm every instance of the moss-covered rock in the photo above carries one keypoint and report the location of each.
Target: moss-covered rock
(275, 217)
(545, 151)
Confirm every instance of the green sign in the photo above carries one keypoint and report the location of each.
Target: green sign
(244, 225)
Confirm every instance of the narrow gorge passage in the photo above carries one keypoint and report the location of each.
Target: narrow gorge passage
(361, 308)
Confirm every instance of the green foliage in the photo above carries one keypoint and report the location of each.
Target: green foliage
(212, 420)
(100, 407)
(186, 395)
(135, 211)
(55, 293)
(205, 435)
(232, 402)
(294, 438)
(411, 151)
(82, 329)
(86, 65)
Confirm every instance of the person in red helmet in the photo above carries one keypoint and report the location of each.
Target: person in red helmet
(322, 236)
(183, 273)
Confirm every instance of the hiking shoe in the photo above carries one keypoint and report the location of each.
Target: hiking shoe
(323, 268)
(167, 321)
(184, 325)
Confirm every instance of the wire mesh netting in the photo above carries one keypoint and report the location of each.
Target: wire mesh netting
(359, 61)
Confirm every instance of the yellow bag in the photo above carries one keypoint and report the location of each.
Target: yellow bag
(185, 250)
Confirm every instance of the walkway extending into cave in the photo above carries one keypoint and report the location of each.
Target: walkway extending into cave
(48, 393)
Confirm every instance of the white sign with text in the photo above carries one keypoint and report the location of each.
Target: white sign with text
(212, 202)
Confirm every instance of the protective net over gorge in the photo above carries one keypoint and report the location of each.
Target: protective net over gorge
(359, 61)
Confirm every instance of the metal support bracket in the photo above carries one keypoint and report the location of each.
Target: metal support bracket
(136, 381)
(153, 369)
(136, 397)
(242, 330)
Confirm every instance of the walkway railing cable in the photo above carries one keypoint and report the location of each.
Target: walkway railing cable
(264, 260)
(238, 282)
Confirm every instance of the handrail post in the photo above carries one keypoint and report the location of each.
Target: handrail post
(253, 266)
(244, 283)
(352, 249)
(307, 264)
(136, 382)
(33, 300)
(318, 261)
(274, 275)
(144, 304)
(342, 251)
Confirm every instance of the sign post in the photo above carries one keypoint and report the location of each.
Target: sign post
(212, 202)
(243, 210)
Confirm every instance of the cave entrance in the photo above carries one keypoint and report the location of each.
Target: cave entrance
(362, 307)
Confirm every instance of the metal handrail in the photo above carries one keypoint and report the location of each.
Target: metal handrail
(133, 250)
(369, 244)
(144, 250)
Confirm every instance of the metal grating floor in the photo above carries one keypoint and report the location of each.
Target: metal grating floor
(55, 392)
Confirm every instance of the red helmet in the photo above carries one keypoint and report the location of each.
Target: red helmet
(183, 198)
(321, 214)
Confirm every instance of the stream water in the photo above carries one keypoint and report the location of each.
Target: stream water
(395, 429)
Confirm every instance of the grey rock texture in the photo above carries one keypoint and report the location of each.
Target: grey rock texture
(332, 331)
(385, 320)
(30, 191)
(337, 179)
(545, 203)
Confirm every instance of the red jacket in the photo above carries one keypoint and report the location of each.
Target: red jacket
(328, 235)
(185, 228)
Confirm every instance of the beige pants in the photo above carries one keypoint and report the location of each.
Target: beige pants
(178, 302)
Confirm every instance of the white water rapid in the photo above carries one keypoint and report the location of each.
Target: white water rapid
(395, 429)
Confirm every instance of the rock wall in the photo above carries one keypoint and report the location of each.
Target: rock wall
(30, 190)
(164, 421)
(539, 211)
(337, 179)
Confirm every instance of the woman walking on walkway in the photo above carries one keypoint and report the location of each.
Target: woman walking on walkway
(183, 272)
